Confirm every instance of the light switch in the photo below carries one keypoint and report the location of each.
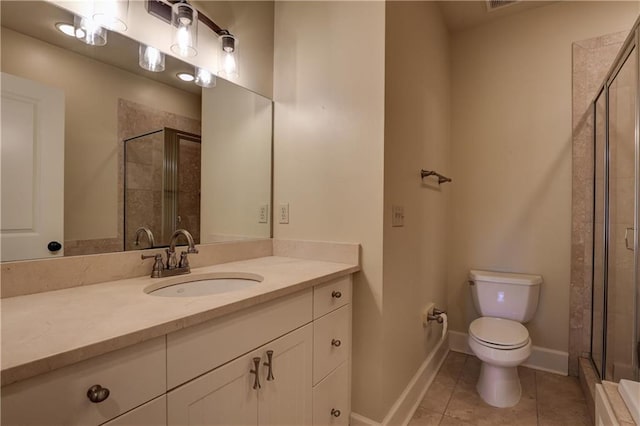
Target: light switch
(397, 216)
(263, 216)
(284, 213)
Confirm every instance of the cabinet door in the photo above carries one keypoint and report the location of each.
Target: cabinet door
(153, 413)
(286, 399)
(225, 396)
(331, 403)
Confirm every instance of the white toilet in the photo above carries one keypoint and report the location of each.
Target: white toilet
(497, 338)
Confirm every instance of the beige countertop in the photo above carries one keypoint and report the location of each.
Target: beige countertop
(45, 331)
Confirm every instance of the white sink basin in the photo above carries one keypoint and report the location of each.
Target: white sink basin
(203, 285)
(630, 393)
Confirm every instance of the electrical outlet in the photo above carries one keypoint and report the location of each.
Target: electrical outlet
(283, 213)
(263, 215)
(397, 216)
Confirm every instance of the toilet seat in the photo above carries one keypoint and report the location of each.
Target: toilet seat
(499, 333)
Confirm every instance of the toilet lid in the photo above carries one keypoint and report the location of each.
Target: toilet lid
(499, 332)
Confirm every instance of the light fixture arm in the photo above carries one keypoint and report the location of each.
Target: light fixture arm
(161, 9)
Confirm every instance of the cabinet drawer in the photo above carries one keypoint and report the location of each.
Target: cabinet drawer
(330, 296)
(196, 350)
(331, 405)
(331, 342)
(133, 375)
(153, 413)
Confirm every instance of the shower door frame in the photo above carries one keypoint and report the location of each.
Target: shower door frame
(630, 46)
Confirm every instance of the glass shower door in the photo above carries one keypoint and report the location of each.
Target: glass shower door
(621, 223)
(599, 237)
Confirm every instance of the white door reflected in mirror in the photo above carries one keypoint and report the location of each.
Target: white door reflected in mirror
(32, 152)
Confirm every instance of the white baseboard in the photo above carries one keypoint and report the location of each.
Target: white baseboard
(458, 342)
(404, 407)
(541, 358)
(358, 420)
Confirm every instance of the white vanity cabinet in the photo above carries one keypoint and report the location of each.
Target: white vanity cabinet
(308, 335)
(243, 391)
(153, 413)
(132, 376)
(332, 352)
(281, 362)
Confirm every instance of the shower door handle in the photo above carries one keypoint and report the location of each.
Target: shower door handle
(626, 238)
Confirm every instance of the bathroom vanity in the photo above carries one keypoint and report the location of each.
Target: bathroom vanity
(278, 352)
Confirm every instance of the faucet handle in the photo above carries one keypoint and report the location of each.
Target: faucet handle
(171, 259)
(184, 260)
(158, 266)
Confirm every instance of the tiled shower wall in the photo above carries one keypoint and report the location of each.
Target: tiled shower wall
(133, 119)
(592, 59)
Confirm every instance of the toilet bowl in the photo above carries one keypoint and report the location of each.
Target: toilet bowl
(498, 338)
(501, 345)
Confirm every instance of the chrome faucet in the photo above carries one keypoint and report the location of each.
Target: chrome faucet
(171, 251)
(172, 266)
(146, 231)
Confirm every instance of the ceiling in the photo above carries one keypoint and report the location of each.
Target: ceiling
(460, 15)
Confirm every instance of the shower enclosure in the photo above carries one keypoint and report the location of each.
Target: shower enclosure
(615, 321)
(161, 186)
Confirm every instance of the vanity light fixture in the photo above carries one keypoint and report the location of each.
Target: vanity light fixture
(185, 76)
(89, 32)
(228, 55)
(204, 78)
(150, 58)
(111, 14)
(184, 24)
(66, 29)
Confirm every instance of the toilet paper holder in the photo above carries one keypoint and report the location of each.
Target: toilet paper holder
(436, 316)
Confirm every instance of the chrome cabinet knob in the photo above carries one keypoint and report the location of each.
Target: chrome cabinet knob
(97, 394)
(335, 412)
(336, 343)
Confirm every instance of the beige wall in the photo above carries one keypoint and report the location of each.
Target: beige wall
(328, 136)
(339, 143)
(417, 120)
(91, 91)
(236, 159)
(511, 153)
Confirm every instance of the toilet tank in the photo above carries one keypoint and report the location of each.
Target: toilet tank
(505, 295)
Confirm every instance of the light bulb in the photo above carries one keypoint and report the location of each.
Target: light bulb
(111, 14)
(204, 78)
(184, 22)
(185, 76)
(66, 29)
(228, 55)
(89, 32)
(229, 65)
(150, 58)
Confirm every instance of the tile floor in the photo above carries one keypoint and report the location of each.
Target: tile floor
(547, 399)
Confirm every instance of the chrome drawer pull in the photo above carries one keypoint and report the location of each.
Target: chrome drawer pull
(336, 343)
(269, 364)
(256, 382)
(335, 412)
(336, 294)
(97, 394)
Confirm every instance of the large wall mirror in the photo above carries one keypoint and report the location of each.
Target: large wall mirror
(99, 154)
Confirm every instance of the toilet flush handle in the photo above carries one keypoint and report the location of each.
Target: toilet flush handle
(626, 238)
